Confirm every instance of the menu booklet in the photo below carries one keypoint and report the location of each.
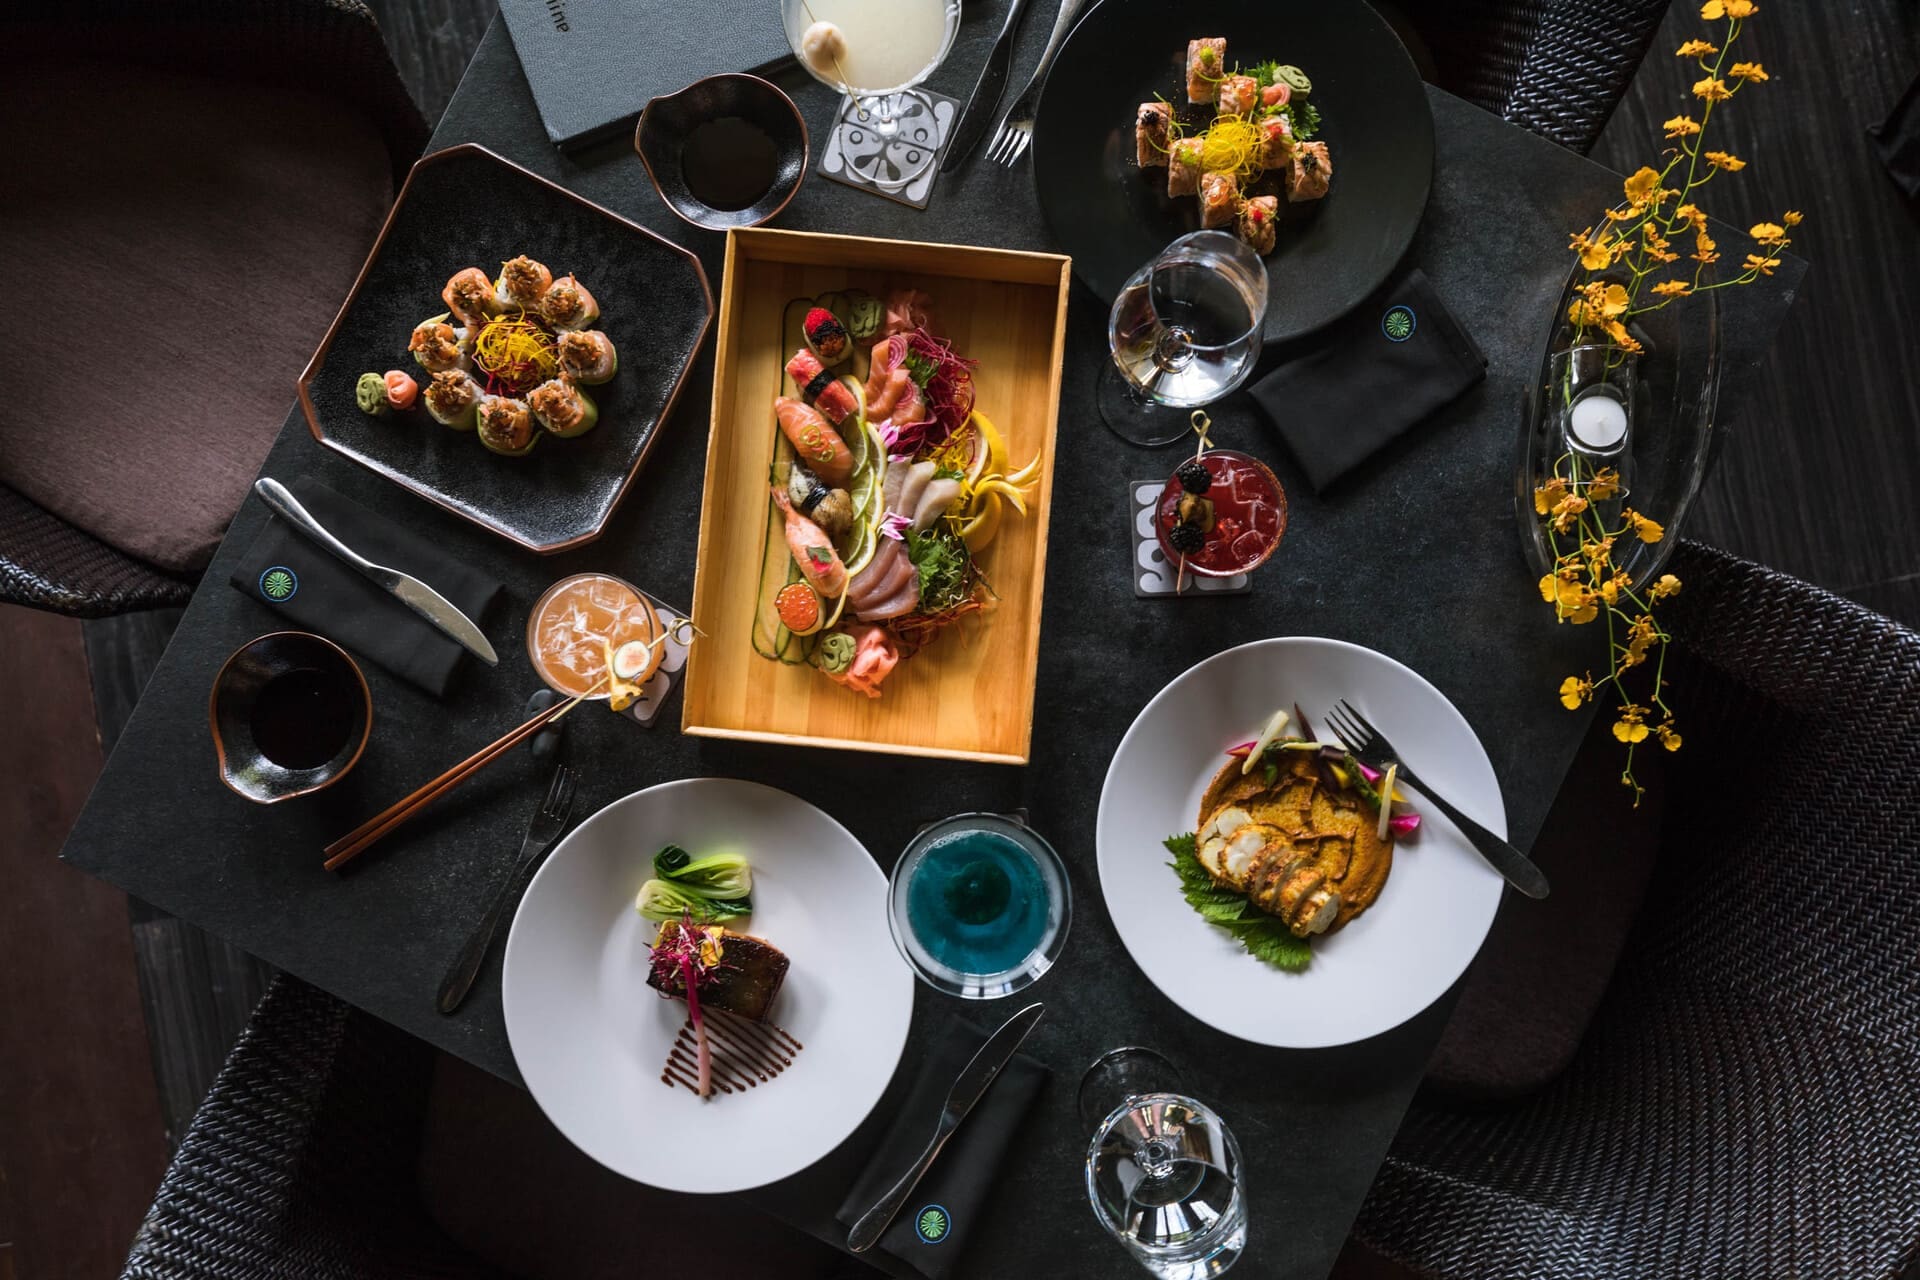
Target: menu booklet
(594, 63)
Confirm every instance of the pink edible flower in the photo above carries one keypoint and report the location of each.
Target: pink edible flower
(895, 526)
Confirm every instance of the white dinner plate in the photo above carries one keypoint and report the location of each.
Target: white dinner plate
(1388, 963)
(591, 1037)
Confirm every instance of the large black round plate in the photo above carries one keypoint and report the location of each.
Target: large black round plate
(1112, 217)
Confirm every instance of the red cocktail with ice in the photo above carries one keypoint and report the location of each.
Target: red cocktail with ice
(1225, 522)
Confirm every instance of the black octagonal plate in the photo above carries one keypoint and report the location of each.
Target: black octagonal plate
(467, 207)
(1113, 218)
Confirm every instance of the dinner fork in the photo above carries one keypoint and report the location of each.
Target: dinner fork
(542, 830)
(1371, 748)
(1014, 133)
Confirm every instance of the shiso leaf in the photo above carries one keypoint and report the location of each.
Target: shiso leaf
(1264, 937)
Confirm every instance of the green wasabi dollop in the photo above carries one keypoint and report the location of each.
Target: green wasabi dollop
(370, 393)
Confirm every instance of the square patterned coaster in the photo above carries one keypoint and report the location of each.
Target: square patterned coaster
(857, 155)
(1153, 573)
(653, 695)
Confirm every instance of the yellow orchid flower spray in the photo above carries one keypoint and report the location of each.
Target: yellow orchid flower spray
(1647, 253)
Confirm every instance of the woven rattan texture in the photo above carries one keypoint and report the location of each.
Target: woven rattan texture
(1747, 1100)
(1555, 67)
(47, 563)
(299, 1164)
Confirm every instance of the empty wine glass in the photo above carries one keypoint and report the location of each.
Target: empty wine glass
(1163, 1171)
(1185, 332)
(876, 53)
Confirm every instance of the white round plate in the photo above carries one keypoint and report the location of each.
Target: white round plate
(1386, 965)
(591, 1037)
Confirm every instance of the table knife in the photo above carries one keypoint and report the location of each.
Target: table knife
(986, 93)
(971, 1086)
(405, 588)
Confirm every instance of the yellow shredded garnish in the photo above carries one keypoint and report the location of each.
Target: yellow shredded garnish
(1230, 144)
(516, 350)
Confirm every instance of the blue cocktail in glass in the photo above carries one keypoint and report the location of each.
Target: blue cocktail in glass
(979, 905)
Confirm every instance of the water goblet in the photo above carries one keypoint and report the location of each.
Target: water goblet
(1185, 331)
(1164, 1173)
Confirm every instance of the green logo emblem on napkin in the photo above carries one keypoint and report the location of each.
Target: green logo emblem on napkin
(1398, 323)
(933, 1224)
(279, 583)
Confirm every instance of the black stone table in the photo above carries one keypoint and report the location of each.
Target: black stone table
(1417, 557)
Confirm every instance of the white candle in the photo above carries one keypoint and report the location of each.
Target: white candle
(1598, 421)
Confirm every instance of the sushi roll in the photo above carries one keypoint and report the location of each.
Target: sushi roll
(1237, 95)
(1276, 144)
(1152, 129)
(506, 426)
(451, 398)
(435, 345)
(819, 388)
(587, 356)
(1217, 195)
(1307, 173)
(831, 509)
(1206, 66)
(469, 296)
(826, 336)
(1183, 167)
(1259, 222)
(562, 408)
(567, 305)
(522, 283)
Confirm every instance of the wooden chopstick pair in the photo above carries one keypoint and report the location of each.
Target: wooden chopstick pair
(363, 837)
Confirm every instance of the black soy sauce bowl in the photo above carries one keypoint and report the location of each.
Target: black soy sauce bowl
(667, 121)
(247, 769)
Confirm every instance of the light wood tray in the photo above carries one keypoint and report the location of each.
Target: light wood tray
(968, 695)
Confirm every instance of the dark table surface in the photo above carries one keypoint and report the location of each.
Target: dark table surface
(1417, 557)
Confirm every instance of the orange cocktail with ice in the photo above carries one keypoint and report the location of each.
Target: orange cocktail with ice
(580, 622)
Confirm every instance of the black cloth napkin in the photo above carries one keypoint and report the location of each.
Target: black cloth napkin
(1897, 138)
(285, 570)
(931, 1229)
(1399, 356)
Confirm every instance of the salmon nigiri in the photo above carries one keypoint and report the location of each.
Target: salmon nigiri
(818, 444)
(812, 550)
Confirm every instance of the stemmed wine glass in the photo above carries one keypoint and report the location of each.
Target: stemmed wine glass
(1185, 332)
(876, 53)
(1163, 1171)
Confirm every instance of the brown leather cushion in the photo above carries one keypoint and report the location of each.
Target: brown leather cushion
(1529, 995)
(503, 1182)
(176, 249)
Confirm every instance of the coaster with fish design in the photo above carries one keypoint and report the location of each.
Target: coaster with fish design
(1153, 573)
(653, 695)
(745, 1054)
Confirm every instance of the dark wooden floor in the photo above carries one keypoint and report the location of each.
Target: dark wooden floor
(81, 1143)
(1816, 479)
(1819, 474)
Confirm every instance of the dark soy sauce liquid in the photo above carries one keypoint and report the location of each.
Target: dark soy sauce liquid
(302, 719)
(728, 163)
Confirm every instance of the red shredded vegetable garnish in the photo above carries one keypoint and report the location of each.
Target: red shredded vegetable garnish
(916, 631)
(683, 954)
(947, 382)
